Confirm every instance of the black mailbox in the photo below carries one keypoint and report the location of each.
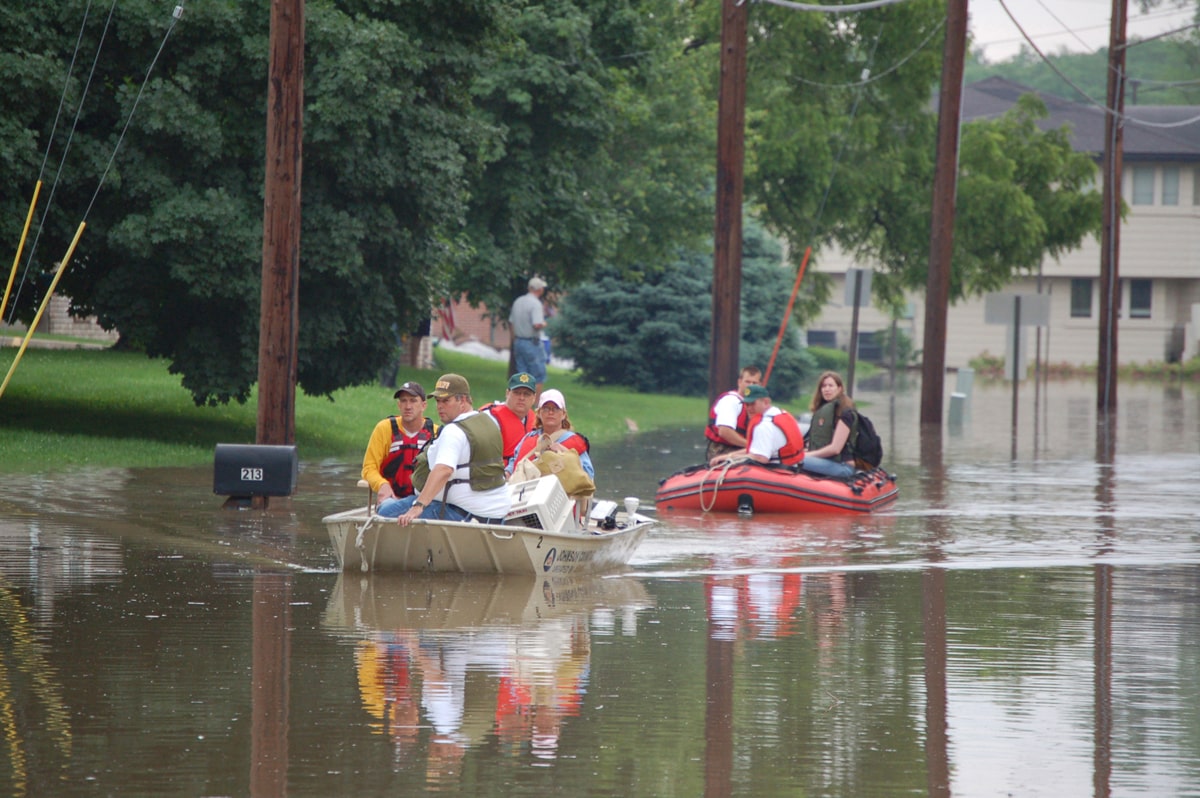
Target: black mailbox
(249, 470)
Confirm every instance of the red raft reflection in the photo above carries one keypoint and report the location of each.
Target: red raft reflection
(759, 488)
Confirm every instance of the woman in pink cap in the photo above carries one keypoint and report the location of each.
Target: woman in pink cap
(553, 424)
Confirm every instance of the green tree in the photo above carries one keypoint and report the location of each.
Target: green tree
(449, 147)
(172, 257)
(605, 155)
(837, 108)
(841, 143)
(1023, 194)
(653, 333)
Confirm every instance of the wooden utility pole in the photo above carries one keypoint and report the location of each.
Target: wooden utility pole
(731, 150)
(279, 319)
(1110, 238)
(945, 182)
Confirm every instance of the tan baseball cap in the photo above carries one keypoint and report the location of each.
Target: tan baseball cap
(451, 385)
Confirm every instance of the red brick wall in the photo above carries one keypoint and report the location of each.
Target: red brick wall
(470, 324)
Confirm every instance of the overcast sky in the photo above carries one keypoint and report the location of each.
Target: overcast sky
(1076, 25)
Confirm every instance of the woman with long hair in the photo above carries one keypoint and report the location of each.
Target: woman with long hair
(829, 431)
(555, 433)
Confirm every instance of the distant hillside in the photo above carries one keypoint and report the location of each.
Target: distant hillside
(1162, 72)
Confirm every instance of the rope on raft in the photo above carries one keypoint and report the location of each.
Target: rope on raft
(723, 469)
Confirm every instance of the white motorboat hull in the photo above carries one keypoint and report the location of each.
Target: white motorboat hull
(364, 541)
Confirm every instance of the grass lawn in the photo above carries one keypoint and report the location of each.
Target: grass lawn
(104, 408)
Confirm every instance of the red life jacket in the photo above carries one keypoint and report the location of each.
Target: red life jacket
(512, 429)
(397, 465)
(791, 452)
(743, 422)
(573, 440)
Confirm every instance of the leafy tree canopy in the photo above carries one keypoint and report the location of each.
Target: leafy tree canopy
(448, 146)
(606, 155)
(842, 147)
(458, 146)
(1023, 194)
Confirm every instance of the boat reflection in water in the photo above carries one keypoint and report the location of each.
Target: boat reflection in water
(447, 662)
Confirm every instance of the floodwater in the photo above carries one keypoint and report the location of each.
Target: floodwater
(1025, 621)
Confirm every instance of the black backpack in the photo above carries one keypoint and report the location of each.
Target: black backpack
(867, 445)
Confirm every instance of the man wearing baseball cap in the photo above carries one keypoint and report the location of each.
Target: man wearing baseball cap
(460, 476)
(514, 415)
(526, 321)
(773, 436)
(395, 443)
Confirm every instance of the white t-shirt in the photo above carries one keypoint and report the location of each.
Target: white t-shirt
(728, 408)
(454, 450)
(768, 439)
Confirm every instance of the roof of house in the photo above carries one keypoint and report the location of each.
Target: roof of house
(1151, 133)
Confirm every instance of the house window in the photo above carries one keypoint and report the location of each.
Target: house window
(1081, 298)
(1139, 299)
(1170, 185)
(1143, 185)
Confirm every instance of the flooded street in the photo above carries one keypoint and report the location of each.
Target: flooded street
(1024, 621)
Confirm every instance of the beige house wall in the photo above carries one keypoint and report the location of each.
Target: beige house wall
(57, 320)
(1160, 243)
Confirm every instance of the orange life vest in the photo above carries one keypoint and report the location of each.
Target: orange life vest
(743, 422)
(512, 429)
(791, 452)
(573, 440)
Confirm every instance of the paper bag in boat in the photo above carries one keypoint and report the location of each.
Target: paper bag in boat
(524, 472)
(566, 466)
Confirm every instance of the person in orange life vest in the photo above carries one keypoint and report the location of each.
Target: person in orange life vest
(395, 443)
(553, 425)
(515, 414)
(774, 436)
(728, 418)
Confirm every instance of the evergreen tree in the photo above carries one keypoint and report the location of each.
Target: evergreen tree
(653, 333)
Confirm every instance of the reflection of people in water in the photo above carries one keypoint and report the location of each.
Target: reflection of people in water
(543, 690)
(462, 686)
(754, 606)
(829, 608)
(771, 603)
(761, 606)
(385, 684)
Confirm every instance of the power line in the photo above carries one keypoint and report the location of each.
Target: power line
(1123, 117)
(141, 89)
(869, 78)
(845, 9)
(66, 148)
(175, 16)
(1074, 32)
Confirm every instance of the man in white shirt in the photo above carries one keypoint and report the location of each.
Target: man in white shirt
(465, 464)
(773, 434)
(728, 418)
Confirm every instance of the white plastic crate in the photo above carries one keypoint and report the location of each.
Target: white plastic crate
(540, 504)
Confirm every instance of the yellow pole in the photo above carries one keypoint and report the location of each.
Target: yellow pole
(20, 247)
(62, 267)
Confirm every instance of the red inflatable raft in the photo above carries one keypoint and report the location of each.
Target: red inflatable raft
(758, 488)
